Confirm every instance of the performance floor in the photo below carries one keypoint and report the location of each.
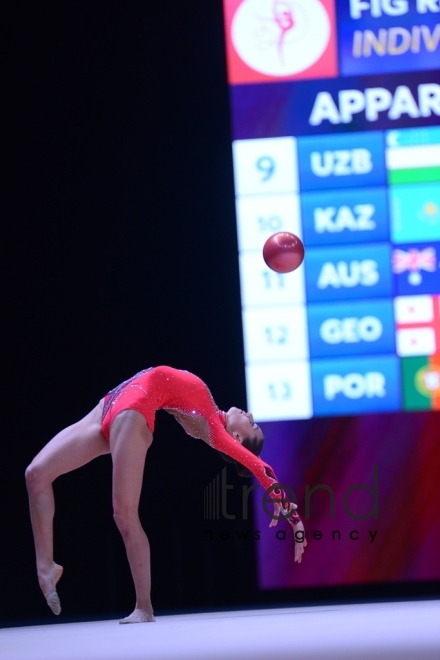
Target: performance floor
(380, 630)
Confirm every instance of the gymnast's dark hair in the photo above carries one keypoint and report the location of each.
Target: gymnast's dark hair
(255, 445)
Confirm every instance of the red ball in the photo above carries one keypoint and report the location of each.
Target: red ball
(283, 252)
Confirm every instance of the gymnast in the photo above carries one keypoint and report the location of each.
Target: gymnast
(122, 424)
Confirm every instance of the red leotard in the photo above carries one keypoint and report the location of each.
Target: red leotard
(188, 398)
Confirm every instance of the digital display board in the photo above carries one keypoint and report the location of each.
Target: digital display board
(336, 137)
(335, 109)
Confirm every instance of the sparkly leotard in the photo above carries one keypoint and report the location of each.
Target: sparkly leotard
(187, 397)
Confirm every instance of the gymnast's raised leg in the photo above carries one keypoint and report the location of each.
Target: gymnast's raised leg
(130, 439)
(68, 450)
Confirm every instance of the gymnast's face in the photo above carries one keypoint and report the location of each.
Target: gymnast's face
(240, 425)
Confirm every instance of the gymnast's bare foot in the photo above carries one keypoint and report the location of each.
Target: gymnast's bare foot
(139, 616)
(47, 580)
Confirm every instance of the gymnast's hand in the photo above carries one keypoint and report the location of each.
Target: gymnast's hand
(300, 540)
(298, 529)
(278, 512)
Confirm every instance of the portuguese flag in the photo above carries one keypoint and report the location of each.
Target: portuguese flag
(421, 382)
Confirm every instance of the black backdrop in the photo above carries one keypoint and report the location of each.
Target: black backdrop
(120, 245)
(121, 250)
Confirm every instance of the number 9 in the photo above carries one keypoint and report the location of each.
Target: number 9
(266, 165)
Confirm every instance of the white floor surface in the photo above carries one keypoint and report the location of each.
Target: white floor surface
(380, 630)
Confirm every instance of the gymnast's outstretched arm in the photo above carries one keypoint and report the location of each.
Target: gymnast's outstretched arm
(284, 507)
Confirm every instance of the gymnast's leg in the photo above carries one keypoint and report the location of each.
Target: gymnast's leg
(70, 449)
(130, 439)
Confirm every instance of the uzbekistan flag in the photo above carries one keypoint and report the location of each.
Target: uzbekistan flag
(413, 155)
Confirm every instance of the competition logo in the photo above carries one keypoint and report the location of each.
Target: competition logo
(272, 37)
(279, 39)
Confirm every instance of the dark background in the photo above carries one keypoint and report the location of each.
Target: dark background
(120, 249)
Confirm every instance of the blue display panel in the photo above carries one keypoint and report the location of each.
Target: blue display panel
(345, 216)
(356, 385)
(387, 35)
(354, 328)
(360, 271)
(341, 161)
(341, 146)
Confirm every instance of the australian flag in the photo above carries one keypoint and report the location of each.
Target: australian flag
(416, 268)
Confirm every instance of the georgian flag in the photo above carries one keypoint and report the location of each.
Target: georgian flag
(417, 325)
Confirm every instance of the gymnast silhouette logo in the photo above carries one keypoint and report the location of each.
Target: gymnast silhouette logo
(280, 37)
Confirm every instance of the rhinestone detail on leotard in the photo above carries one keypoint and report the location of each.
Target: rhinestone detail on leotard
(186, 396)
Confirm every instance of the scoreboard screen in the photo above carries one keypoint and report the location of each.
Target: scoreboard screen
(335, 110)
